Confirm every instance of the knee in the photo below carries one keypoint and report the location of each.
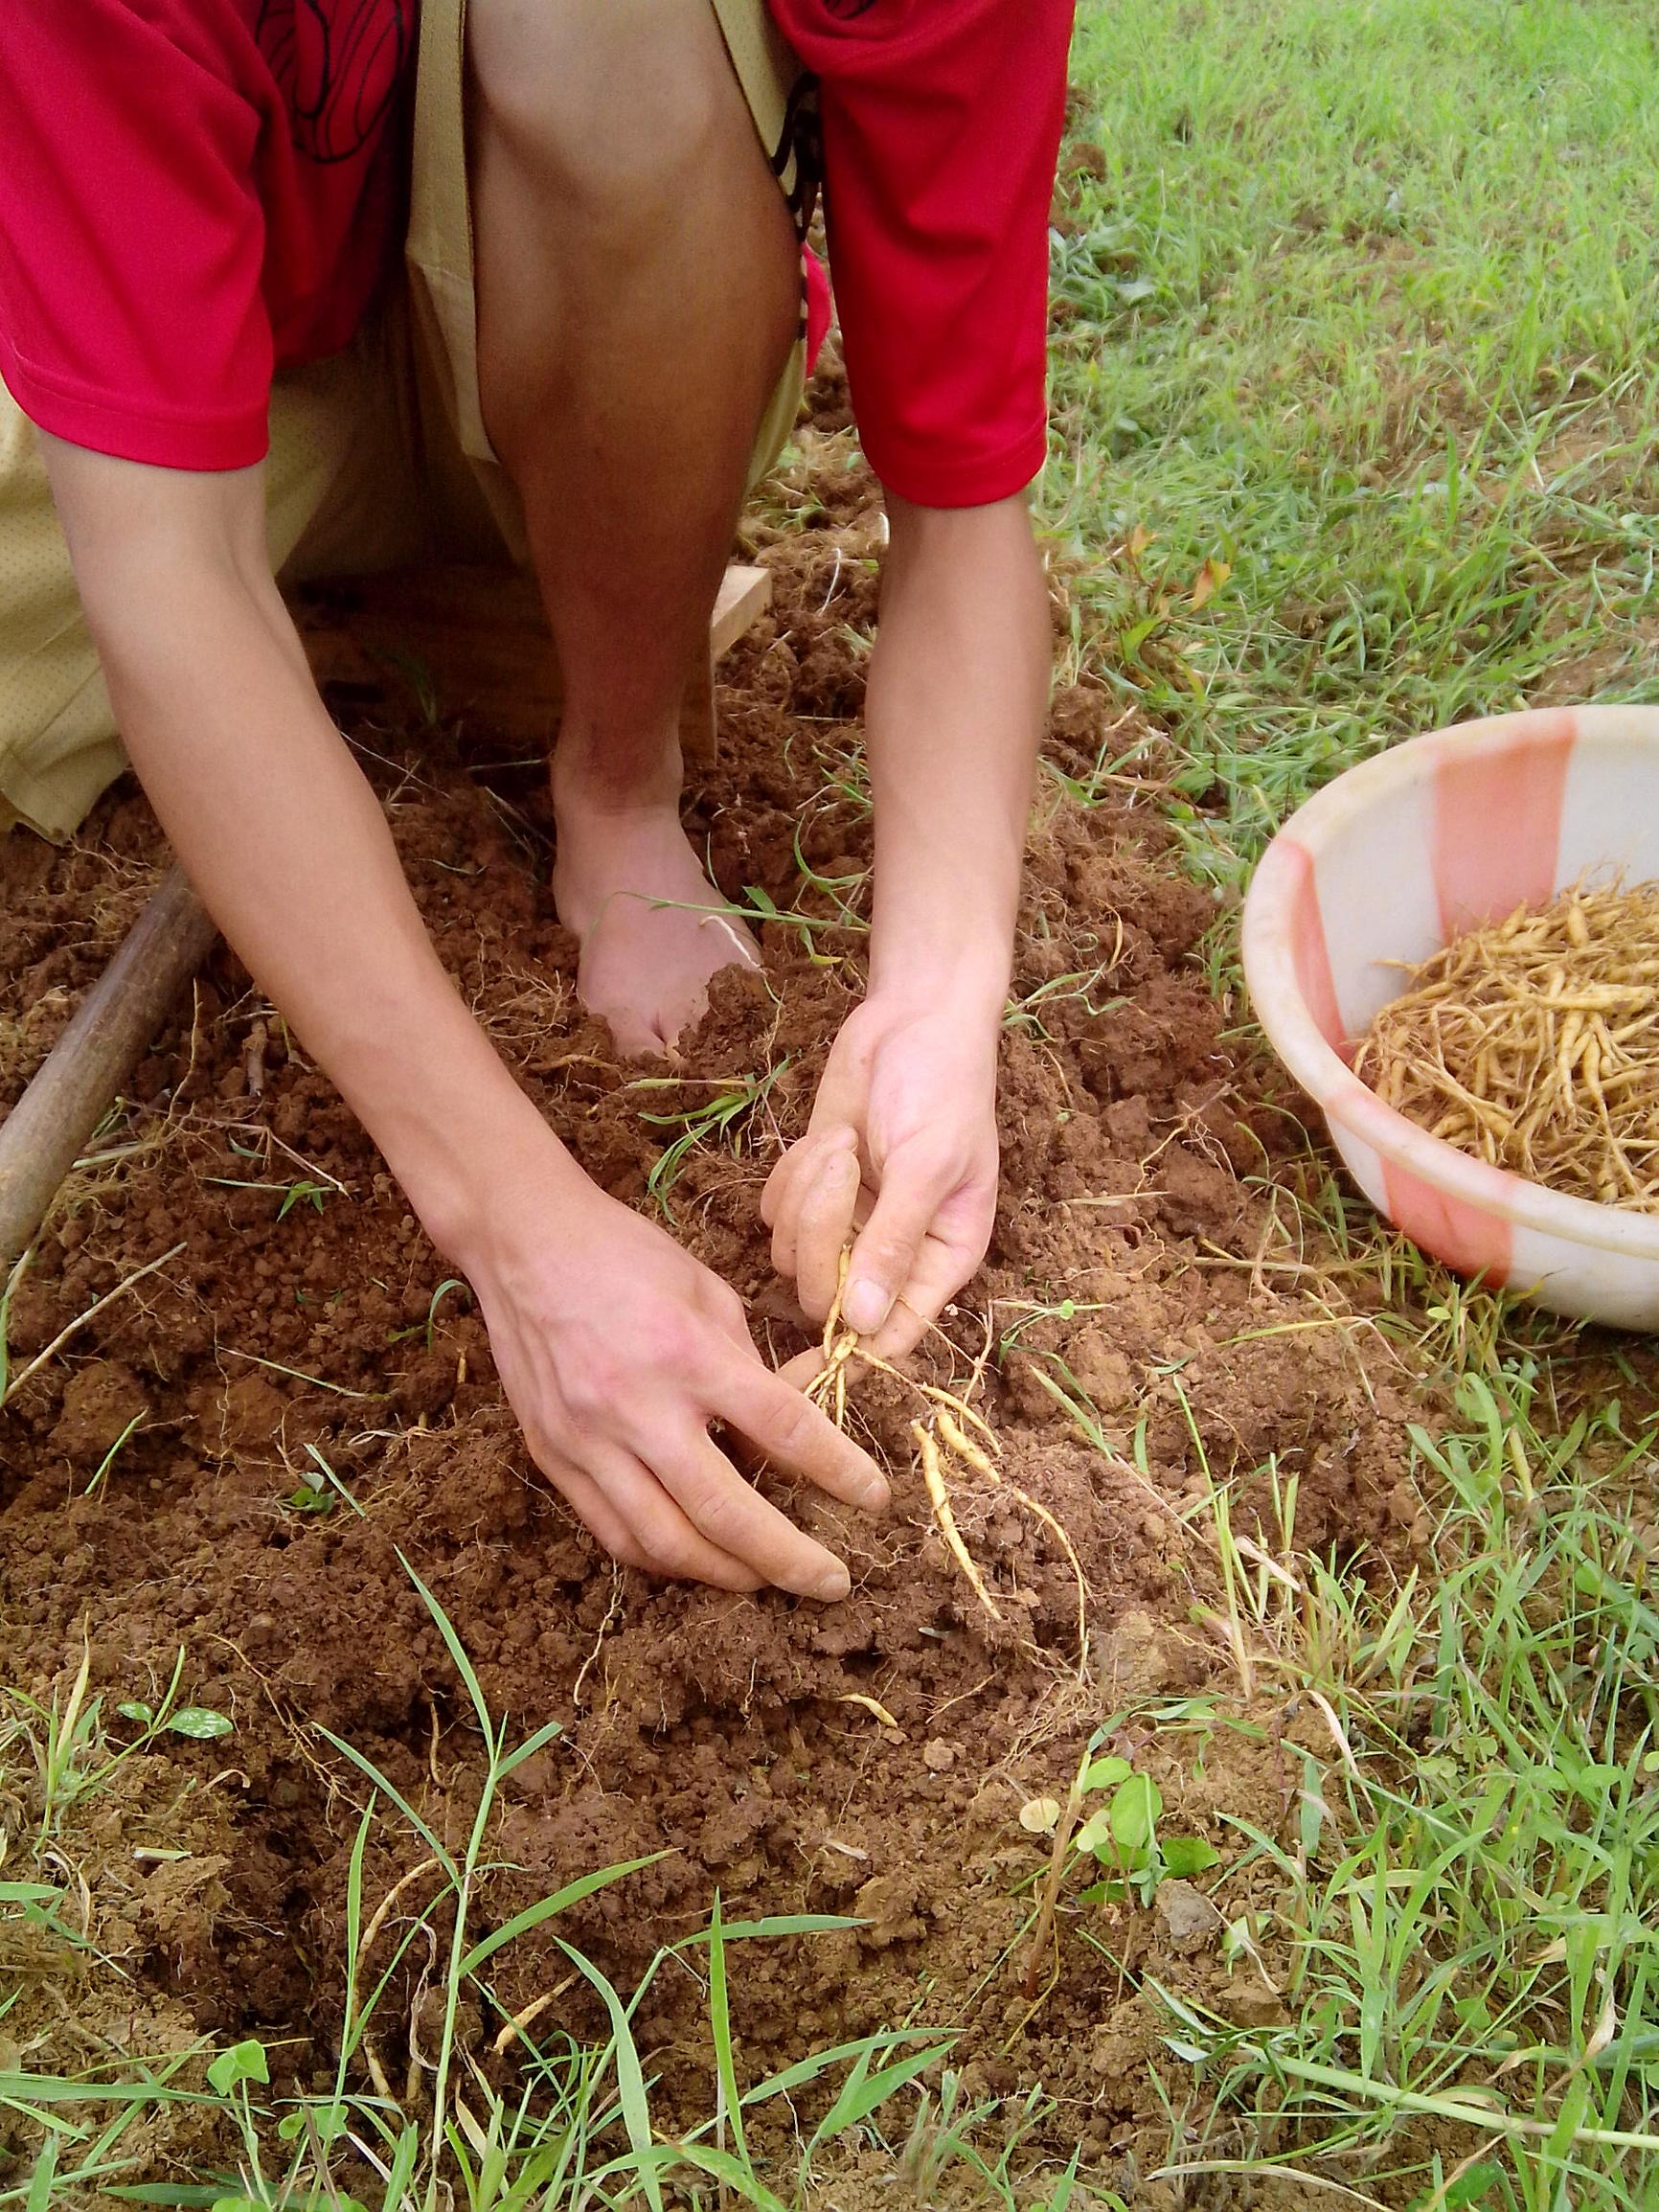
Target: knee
(616, 109)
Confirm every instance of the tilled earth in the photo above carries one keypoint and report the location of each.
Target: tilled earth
(868, 1758)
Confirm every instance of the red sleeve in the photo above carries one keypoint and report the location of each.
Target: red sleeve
(131, 236)
(942, 123)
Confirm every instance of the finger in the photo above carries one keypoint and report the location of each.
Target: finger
(602, 1523)
(793, 1433)
(630, 1514)
(777, 1184)
(885, 1255)
(806, 1367)
(781, 1207)
(734, 1519)
(787, 1169)
(947, 1258)
(787, 1185)
(823, 1225)
(940, 1272)
(671, 1540)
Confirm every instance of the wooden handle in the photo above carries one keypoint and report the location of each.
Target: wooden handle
(47, 1130)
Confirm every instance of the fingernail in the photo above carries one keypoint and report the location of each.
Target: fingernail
(865, 1307)
(874, 1497)
(833, 1586)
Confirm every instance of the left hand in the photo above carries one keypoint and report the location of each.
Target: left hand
(902, 1148)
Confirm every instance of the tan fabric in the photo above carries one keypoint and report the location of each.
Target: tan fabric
(379, 456)
(331, 432)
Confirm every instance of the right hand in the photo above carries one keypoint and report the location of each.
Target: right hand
(617, 1350)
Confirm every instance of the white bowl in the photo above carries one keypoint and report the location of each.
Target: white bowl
(1390, 862)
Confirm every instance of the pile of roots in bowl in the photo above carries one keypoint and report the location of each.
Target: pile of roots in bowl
(1533, 1043)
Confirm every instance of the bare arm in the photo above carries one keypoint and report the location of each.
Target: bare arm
(903, 1137)
(616, 1348)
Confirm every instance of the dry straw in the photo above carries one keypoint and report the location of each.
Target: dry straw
(1533, 1043)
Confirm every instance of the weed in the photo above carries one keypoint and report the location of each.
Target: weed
(726, 1118)
(322, 1497)
(578, 2129)
(112, 1454)
(71, 1749)
(1467, 1902)
(428, 1327)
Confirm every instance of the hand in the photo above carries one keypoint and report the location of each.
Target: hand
(617, 1350)
(902, 1148)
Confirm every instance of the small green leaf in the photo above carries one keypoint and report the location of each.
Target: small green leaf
(1104, 1893)
(1134, 1815)
(202, 1724)
(142, 1714)
(1107, 1774)
(243, 2062)
(325, 2123)
(1185, 1855)
(1470, 2188)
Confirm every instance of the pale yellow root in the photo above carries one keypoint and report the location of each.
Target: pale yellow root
(966, 1449)
(963, 1445)
(953, 1418)
(933, 1475)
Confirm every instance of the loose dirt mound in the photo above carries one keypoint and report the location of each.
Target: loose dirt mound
(748, 1739)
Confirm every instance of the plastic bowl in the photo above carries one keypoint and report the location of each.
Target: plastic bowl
(1390, 862)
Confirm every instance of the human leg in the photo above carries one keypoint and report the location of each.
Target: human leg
(638, 294)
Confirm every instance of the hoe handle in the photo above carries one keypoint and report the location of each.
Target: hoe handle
(75, 1084)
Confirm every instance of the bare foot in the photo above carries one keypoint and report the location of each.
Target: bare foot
(632, 887)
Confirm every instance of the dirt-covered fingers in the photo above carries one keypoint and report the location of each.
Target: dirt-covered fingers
(639, 1523)
(809, 1202)
(790, 1432)
(925, 1236)
(730, 1514)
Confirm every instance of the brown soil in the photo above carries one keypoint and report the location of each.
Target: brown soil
(727, 1734)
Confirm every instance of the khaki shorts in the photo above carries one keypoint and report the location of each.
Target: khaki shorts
(379, 456)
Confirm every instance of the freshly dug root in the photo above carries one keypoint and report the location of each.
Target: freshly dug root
(1533, 1043)
(953, 1418)
(939, 1497)
(982, 1463)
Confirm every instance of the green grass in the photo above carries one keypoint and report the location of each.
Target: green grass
(576, 2125)
(1356, 434)
(1470, 1905)
(1364, 305)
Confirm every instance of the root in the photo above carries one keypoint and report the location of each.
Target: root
(982, 1463)
(1534, 1044)
(933, 1475)
(952, 1425)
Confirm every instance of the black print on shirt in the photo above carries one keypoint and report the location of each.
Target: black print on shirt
(337, 63)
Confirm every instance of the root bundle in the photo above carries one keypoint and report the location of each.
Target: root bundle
(955, 1443)
(1533, 1043)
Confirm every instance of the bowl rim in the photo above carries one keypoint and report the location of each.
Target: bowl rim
(1276, 994)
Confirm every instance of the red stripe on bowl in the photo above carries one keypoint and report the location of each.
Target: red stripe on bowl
(1466, 1238)
(1497, 824)
(1309, 953)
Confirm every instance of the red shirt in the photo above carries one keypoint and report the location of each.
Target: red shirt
(942, 123)
(194, 193)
